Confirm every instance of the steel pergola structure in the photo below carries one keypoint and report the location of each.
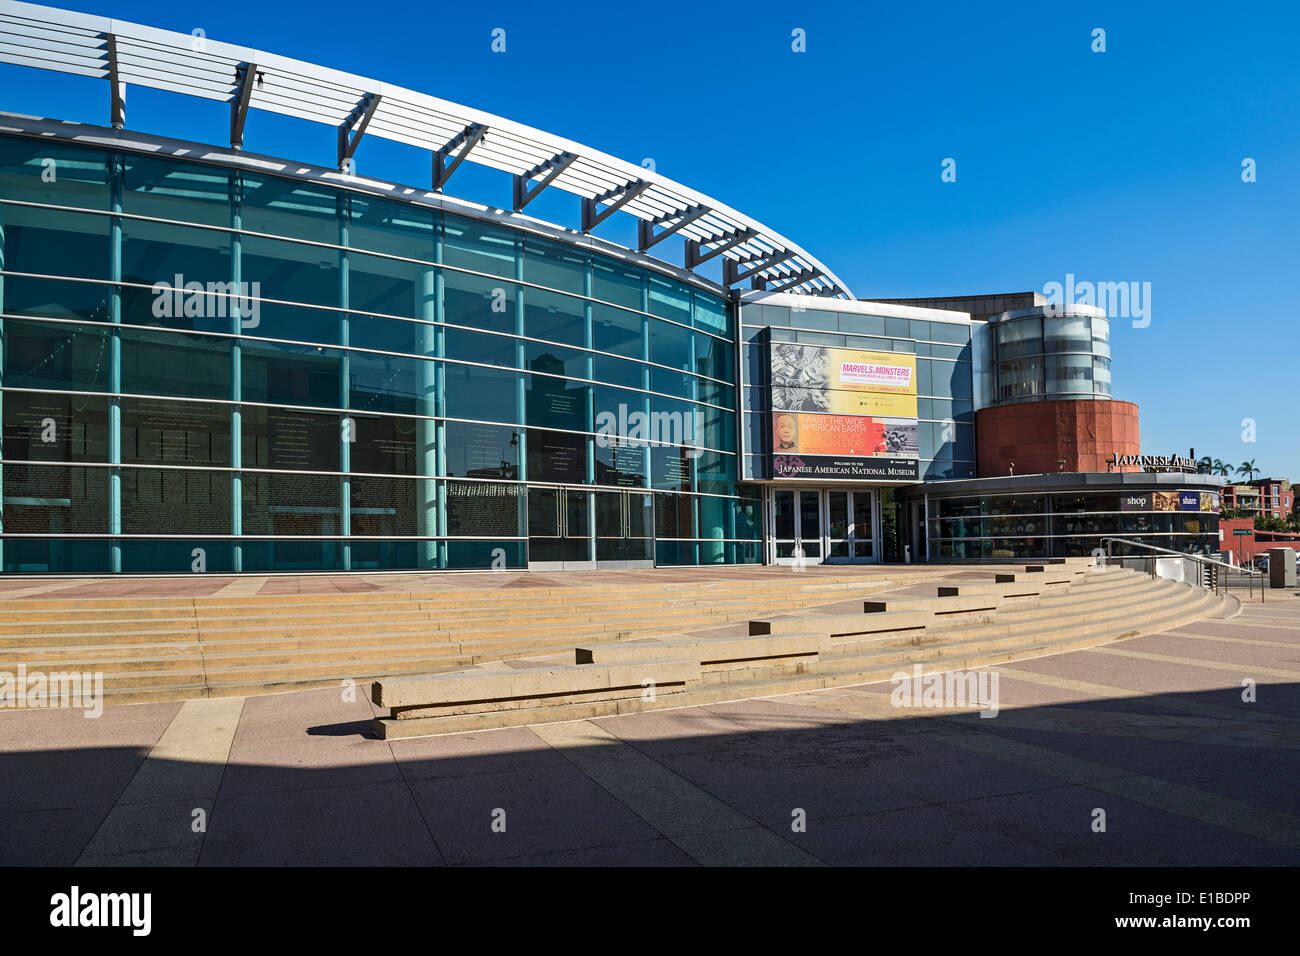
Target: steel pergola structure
(126, 54)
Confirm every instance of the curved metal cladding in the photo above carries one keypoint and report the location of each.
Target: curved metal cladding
(219, 365)
(126, 54)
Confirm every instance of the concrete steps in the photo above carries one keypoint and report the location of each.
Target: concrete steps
(825, 647)
(177, 648)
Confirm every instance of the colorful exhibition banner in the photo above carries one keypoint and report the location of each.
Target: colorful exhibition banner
(819, 366)
(843, 413)
(813, 378)
(807, 434)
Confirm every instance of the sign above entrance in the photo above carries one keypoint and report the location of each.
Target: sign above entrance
(1152, 462)
(833, 468)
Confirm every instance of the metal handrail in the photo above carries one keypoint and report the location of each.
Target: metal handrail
(1200, 559)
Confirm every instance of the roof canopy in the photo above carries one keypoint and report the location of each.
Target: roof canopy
(125, 53)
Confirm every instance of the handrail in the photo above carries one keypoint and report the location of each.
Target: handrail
(1200, 559)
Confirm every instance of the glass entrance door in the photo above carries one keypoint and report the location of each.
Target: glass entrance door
(850, 527)
(624, 529)
(797, 525)
(559, 529)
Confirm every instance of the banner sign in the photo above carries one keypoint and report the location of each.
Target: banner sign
(845, 469)
(813, 378)
(1168, 501)
(843, 413)
(794, 433)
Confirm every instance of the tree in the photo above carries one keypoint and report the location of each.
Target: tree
(1267, 522)
(1248, 469)
(1205, 465)
(1220, 467)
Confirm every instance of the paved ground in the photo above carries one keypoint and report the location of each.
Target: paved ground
(1152, 730)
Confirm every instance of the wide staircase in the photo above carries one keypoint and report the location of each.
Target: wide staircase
(158, 648)
(970, 620)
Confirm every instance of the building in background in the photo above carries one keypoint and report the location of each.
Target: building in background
(1263, 496)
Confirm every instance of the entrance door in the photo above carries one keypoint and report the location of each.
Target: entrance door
(559, 529)
(797, 525)
(624, 529)
(850, 527)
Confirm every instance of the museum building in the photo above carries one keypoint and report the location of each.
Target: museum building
(221, 361)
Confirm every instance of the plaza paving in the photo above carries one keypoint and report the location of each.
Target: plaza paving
(1152, 730)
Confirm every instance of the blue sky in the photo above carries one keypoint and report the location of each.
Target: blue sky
(1115, 166)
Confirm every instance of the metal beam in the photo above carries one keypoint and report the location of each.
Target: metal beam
(625, 193)
(117, 88)
(732, 273)
(552, 168)
(798, 278)
(727, 240)
(245, 77)
(359, 119)
(646, 235)
(466, 139)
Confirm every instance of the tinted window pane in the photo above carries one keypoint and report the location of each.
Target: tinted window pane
(480, 302)
(400, 229)
(52, 427)
(555, 266)
(484, 508)
(59, 300)
(670, 345)
(44, 499)
(55, 355)
(81, 180)
(392, 335)
(292, 374)
(288, 439)
(166, 189)
(618, 283)
(175, 433)
(478, 246)
(291, 271)
(404, 289)
(56, 243)
(390, 445)
(164, 363)
(482, 394)
(183, 502)
(391, 383)
(482, 451)
(556, 317)
(615, 330)
(480, 347)
(557, 403)
(282, 207)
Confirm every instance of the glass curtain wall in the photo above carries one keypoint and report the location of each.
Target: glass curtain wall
(210, 369)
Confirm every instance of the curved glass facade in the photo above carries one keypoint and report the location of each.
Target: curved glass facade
(208, 368)
(1044, 354)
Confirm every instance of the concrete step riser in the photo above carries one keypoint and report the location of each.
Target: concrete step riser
(942, 649)
(709, 693)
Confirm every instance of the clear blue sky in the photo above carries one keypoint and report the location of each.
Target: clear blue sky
(1115, 166)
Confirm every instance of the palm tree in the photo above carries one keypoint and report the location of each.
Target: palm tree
(1221, 467)
(1248, 469)
(1205, 465)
